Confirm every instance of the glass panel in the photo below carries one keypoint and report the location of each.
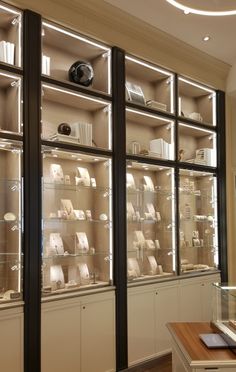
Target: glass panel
(197, 146)
(196, 102)
(10, 221)
(10, 36)
(149, 85)
(224, 312)
(149, 135)
(150, 221)
(10, 103)
(77, 218)
(75, 118)
(198, 221)
(63, 49)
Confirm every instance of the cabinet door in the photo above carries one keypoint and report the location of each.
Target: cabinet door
(167, 310)
(141, 326)
(190, 301)
(97, 335)
(60, 341)
(11, 340)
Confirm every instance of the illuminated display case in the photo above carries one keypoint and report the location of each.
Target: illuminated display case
(169, 148)
(61, 48)
(77, 221)
(150, 221)
(111, 170)
(198, 220)
(11, 156)
(77, 184)
(224, 312)
(11, 220)
(10, 36)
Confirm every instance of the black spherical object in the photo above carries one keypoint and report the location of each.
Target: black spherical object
(64, 128)
(81, 73)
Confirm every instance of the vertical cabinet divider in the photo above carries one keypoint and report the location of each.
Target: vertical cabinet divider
(119, 182)
(32, 190)
(221, 185)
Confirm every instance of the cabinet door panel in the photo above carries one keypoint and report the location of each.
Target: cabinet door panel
(167, 310)
(190, 302)
(11, 342)
(98, 336)
(141, 326)
(61, 338)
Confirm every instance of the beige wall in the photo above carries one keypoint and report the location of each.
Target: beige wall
(108, 24)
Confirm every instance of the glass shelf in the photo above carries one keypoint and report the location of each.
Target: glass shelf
(15, 222)
(72, 255)
(144, 221)
(150, 277)
(73, 288)
(64, 187)
(60, 220)
(152, 192)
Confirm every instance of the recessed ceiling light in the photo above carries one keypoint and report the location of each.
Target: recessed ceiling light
(206, 38)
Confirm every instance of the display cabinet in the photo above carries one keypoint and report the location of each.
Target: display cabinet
(111, 172)
(157, 144)
(150, 221)
(198, 220)
(224, 312)
(77, 221)
(196, 145)
(11, 220)
(149, 85)
(77, 184)
(10, 35)
(11, 156)
(196, 102)
(86, 118)
(10, 103)
(149, 135)
(61, 48)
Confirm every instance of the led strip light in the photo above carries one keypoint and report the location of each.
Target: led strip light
(187, 10)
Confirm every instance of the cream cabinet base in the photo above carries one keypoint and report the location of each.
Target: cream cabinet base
(11, 340)
(78, 334)
(151, 306)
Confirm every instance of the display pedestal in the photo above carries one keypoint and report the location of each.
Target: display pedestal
(189, 354)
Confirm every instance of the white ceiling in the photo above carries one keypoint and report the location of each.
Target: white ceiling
(189, 28)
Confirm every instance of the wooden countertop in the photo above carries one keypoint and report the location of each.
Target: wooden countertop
(186, 336)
